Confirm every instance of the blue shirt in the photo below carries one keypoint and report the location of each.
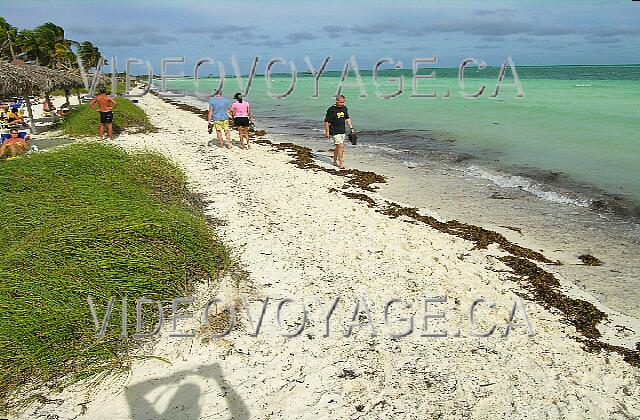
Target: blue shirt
(220, 105)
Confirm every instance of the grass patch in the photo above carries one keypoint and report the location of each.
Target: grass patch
(82, 121)
(89, 220)
(121, 88)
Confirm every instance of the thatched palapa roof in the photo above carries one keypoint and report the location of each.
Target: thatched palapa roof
(30, 79)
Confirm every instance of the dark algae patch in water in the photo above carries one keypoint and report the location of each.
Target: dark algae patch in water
(515, 229)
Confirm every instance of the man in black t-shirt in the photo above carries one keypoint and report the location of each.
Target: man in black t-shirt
(334, 125)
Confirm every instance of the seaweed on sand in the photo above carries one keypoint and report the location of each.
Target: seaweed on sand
(480, 236)
(589, 260)
(542, 285)
(303, 158)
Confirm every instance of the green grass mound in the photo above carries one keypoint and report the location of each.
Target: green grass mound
(83, 121)
(89, 220)
(120, 88)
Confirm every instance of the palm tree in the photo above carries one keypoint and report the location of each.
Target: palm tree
(89, 54)
(8, 35)
(64, 56)
(46, 45)
(32, 47)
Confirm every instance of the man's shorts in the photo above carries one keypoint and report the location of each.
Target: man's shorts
(221, 125)
(106, 117)
(338, 139)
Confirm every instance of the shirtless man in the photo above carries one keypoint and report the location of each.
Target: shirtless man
(106, 104)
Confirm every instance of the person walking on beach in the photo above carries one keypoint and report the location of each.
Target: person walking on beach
(219, 113)
(241, 113)
(106, 105)
(334, 126)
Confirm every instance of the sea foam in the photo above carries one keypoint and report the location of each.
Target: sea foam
(525, 184)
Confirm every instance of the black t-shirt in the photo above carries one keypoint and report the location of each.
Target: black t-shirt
(336, 117)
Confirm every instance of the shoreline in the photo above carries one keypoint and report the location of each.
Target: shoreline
(476, 156)
(436, 148)
(449, 192)
(306, 158)
(543, 285)
(289, 229)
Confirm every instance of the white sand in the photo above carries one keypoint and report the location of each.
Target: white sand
(295, 239)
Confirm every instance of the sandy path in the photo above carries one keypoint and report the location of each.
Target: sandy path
(295, 239)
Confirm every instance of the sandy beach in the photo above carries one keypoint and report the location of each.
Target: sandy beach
(295, 234)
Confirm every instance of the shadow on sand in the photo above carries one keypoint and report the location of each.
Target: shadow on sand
(186, 403)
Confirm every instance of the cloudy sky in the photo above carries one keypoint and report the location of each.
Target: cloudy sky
(536, 32)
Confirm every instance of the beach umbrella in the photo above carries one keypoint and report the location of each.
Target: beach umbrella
(28, 79)
(62, 79)
(73, 79)
(67, 80)
(77, 81)
(25, 79)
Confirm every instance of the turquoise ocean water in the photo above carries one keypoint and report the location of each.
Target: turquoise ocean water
(577, 127)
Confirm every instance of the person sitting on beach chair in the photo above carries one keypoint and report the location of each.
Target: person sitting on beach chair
(15, 143)
(48, 108)
(15, 118)
(4, 117)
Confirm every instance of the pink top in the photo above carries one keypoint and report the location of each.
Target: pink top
(240, 109)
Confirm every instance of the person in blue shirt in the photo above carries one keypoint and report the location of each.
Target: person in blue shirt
(219, 115)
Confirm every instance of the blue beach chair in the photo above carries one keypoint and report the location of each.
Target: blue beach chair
(5, 135)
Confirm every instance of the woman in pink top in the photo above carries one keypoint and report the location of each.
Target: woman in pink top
(241, 113)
